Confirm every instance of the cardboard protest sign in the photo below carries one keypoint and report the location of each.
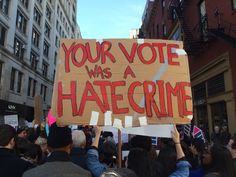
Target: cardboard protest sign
(11, 120)
(124, 83)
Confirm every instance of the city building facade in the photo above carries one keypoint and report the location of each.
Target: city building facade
(208, 30)
(30, 33)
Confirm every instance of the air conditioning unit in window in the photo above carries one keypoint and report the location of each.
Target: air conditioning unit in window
(23, 46)
(37, 59)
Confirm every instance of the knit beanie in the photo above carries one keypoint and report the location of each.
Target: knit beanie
(59, 136)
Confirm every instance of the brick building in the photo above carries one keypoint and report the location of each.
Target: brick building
(208, 29)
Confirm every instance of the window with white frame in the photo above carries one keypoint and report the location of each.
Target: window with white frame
(19, 48)
(21, 22)
(4, 6)
(37, 16)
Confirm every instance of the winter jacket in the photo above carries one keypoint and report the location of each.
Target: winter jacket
(58, 164)
(93, 163)
(11, 165)
(182, 169)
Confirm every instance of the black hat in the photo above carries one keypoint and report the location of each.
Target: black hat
(59, 136)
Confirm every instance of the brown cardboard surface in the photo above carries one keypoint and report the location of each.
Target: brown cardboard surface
(111, 68)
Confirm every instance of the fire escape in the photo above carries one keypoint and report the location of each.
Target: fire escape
(196, 37)
(193, 44)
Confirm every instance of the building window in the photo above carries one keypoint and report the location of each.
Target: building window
(37, 16)
(173, 15)
(19, 48)
(163, 4)
(219, 113)
(216, 85)
(25, 3)
(56, 41)
(32, 84)
(33, 60)
(40, 2)
(157, 31)
(54, 73)
(199, 93)
(48, 13)
(43, 91)
(21, 22)
(203, 19)
(58, 9)
(13, 78)
(164, 30)
(4, 6)
(73, 8)
(1, 65)
(45, 69)
(55, 58)
(47, 30)
(2, 35)
(57, 26)
(45, 48)
(60, 30)
(19, 81)
(29, 86)
(234, 4)
(35, 37)
(34, 88)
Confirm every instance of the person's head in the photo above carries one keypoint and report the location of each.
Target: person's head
(232, 146)
(107, 153)
(221, 161)
(224, 128)
(140, 162)
(168, 158)
(118, 172)
(198, 144)
(216, 129)
(33, 153)
(7, 136)
(42, 142)
(60, 138)
(22, 145)
(143, 142)
(22, 132)
(79, 139)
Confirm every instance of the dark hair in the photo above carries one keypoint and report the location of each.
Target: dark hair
(106, 153)
(118, 172)
(22, 145)
(222, 161)
(167, 158)
(143, 142)
(7, 132)
(233, 146)
(21, 129)
(34, 151)
(139, 161)
(198, 143)
(106, 134)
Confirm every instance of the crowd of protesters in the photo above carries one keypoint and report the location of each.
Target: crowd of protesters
(90, 152)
